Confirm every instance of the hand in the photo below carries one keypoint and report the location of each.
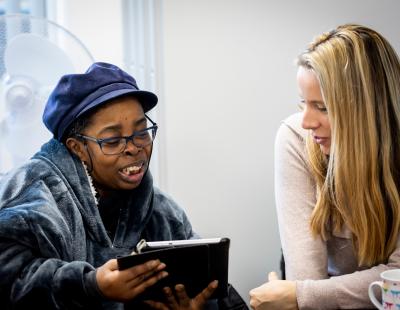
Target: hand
(182, 300)
(275, 294)
(124, 285)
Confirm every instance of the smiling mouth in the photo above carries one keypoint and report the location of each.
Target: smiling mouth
(133, 169)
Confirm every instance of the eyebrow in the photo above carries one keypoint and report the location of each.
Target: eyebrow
(118, 127)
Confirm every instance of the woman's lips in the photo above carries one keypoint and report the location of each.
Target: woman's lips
(132, 173)
(134, 178)
(320, 140)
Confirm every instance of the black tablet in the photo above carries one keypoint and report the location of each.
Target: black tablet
(193, 263)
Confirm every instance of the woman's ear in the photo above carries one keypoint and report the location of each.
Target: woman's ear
(76, 147)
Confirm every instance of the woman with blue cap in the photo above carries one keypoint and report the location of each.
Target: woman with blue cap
(86, 198)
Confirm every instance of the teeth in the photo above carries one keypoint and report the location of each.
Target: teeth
(132, 169)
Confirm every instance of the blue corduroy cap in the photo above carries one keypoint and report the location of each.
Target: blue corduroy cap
(76, 94)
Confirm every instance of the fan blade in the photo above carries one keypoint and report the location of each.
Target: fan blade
(36, 57)
(24, 133)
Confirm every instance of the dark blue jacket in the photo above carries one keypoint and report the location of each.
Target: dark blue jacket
(52, 237)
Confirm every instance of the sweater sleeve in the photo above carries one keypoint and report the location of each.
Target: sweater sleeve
(349, 291)
(305, 256)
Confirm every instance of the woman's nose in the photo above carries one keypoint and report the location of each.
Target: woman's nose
(131, 148)
(310, 118)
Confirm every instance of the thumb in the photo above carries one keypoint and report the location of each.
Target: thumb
(273, 276)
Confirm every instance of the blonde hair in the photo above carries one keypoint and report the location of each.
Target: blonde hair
(358, 183)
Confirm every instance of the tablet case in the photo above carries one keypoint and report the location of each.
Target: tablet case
(194, 266)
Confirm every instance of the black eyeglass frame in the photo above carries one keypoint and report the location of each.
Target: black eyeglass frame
(100, 142)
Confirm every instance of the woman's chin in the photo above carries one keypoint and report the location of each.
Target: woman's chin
(325, 150)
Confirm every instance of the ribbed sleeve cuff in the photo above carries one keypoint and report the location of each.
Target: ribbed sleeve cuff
(312, 295)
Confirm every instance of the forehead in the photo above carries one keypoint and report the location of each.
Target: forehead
(308, 83)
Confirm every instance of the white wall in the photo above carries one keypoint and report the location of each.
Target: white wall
(97, 23)
(229, 80)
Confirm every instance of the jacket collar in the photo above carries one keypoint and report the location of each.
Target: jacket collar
(78, 182)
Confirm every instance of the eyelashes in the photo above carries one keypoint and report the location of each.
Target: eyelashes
(314, 105)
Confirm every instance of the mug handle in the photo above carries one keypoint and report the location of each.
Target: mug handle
(372, 295)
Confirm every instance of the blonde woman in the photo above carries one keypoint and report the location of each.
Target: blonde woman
(338, 175)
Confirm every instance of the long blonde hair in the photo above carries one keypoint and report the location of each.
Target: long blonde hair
(358, 183)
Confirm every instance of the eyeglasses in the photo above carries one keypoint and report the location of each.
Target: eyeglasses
(117, 145)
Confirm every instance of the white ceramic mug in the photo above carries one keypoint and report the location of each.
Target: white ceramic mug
(390, 286)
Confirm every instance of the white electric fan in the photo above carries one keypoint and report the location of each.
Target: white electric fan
(34, 54)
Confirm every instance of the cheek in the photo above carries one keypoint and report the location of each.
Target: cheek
(104, 166)
(325, 122)
(147, 151)
(104, 173)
